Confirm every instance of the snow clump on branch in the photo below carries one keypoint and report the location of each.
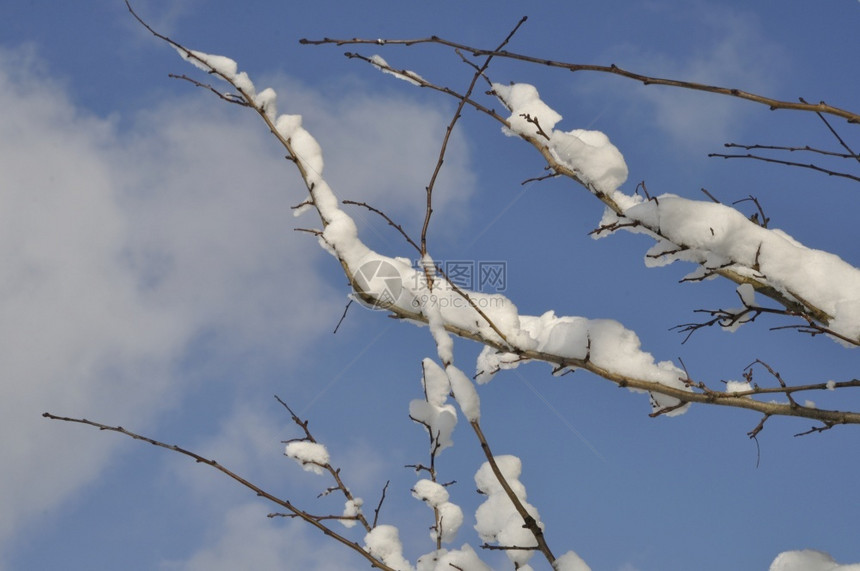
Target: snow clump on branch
(434, 412)
(498, 521)
(450, 516)
(588, 153)
(383, 542)
(311, 456)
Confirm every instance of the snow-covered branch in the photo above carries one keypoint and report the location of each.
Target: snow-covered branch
(717, 237)
(816, 287)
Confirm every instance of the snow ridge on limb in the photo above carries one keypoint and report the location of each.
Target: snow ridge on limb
(817, 285)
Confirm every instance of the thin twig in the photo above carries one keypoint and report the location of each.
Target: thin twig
(835, 134)
(342, 317)
(228, 97)
(391, 222)
(379, 505)
(788, 163)
(805, 148)
(755, 217)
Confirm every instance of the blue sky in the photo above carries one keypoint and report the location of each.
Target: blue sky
(151, 278)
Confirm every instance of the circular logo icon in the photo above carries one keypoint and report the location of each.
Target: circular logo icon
(381, 280)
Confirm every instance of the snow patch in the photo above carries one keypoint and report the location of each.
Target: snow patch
(312, 456)
(497, 519)
(383, 542)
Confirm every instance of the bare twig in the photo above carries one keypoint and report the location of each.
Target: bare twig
(835, 134)
(815, 429)
(342, 317)
(805, 148)
(775, 375)
(540, 178)
(379, 505)
(709, 195)
(489, 547)
(450, 129)
(755, 217)
(788, 163)
(748, 313)
(228, 97)
(391, 222)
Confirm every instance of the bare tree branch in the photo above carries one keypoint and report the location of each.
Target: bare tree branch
(810, 166)
(292, 509)
(804, 148)
(613, 69)
(391, 222)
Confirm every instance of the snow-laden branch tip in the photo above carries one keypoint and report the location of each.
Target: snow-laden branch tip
(406, 75)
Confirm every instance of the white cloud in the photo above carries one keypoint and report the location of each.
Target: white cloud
(76, 336)
(118, 249)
